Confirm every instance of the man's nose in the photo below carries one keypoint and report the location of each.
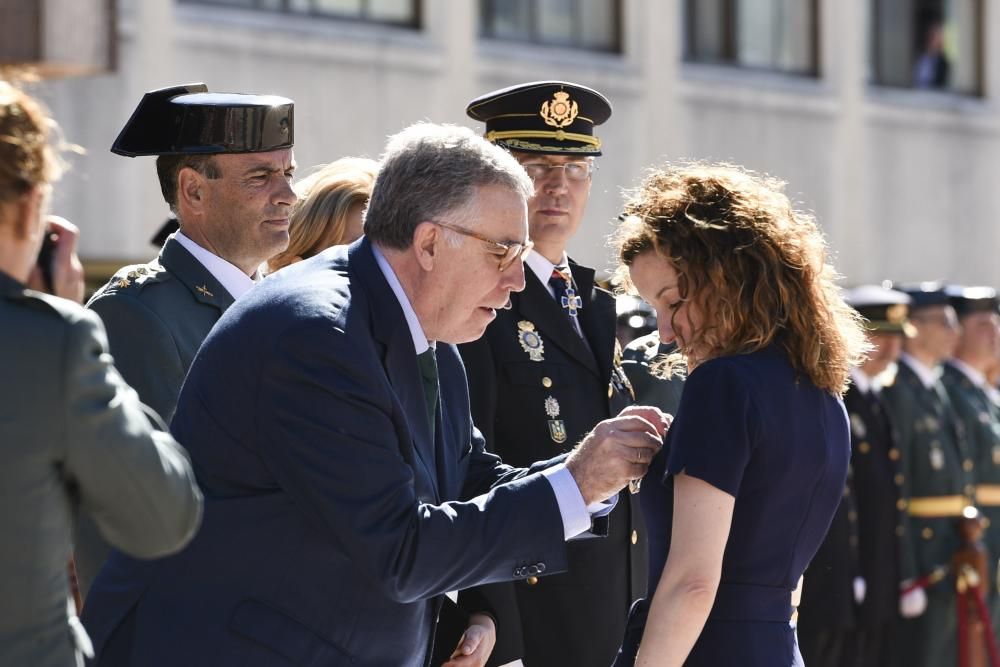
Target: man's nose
(513, 277)
(555, 179)
(284, 195)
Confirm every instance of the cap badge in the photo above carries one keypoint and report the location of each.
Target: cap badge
(896, 314)
(560, 111)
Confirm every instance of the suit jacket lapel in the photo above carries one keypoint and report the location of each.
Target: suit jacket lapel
(536, 304)
(193, 274)
(389, 327)
(597, 320)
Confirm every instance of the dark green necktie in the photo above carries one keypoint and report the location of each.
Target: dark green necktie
(427, 363)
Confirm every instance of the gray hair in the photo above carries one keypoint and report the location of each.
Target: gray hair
(430, 170)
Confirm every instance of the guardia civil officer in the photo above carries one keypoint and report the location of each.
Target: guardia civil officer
(224, 161)
(964, 376)
(546, 371)
(937, 480)
(75, 438)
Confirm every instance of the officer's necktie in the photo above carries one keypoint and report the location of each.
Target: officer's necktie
(427, 363)
(569, 301)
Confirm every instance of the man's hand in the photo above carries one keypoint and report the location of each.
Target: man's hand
(617, 451)
(476, 645)
(67, 271)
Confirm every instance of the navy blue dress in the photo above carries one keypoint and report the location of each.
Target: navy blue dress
(750, 426)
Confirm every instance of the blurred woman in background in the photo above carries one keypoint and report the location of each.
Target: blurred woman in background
(329, 209)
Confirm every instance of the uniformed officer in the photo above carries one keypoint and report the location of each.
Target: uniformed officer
(964, 377)
(546, 371)
(225, 164)
(863, 600)
(937, 483)
(75, 437)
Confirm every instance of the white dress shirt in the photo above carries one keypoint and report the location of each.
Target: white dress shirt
(928, 376)
(230, 276)
(575, 514)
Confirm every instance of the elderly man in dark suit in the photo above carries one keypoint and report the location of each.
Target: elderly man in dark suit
(225, 162)
(327, 415)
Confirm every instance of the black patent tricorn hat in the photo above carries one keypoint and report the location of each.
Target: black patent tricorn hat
(554, 117)
(188, 119)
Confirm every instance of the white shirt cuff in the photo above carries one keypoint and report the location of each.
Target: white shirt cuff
(576, 516)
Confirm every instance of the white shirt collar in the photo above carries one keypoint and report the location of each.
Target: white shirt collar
(975, 377)
(861, 381)
(542, 268)
(927, 376)
(420, 342)
(232, 278)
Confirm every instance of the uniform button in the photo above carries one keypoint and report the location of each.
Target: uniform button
(894, 454)
(847, 491)
(852, 516)
(532, 581)
(899, 531)
(864, 447)
(927, 533)
(853, 541)
(635, 537)
(967, 465)
(899, 479)
(901, 504)
(546, 382)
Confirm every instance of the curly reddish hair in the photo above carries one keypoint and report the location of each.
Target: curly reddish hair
(755, 267)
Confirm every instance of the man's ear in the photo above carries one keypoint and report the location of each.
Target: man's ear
(427, 239)
(190, 188)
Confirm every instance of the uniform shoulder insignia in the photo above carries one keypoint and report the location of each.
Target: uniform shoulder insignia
(134, 277)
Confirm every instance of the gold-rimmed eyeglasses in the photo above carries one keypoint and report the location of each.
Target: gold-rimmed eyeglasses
(506, 253)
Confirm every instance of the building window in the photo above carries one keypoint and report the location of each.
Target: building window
(927, 44)
(582, 24)
(394, 12)
(778, 35)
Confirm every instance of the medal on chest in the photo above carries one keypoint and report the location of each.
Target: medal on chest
(557, 427)
(858, 426)
(937, 457)
(530, 341)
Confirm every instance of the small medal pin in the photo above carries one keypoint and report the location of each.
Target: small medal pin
(937, 458)
(858, 426)
(530, 341)
(557, 427)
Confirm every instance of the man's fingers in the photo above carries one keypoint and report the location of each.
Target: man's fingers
(658, 419)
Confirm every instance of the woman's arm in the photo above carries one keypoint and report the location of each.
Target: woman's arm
(686, 592)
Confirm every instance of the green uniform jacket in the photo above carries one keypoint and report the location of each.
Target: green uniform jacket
(76, 440)
(980, 419)
(935, 463)
(157, 315)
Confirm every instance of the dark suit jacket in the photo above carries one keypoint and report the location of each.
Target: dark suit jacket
(332, 519)
(577, 618)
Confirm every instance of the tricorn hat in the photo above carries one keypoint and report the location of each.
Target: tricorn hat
(555, 117)
(190, 120)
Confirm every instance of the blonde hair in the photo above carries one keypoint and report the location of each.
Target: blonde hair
(326, 197)
(753, 265)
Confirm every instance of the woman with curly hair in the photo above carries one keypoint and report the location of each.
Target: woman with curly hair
(329, 209)
(754, 465)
